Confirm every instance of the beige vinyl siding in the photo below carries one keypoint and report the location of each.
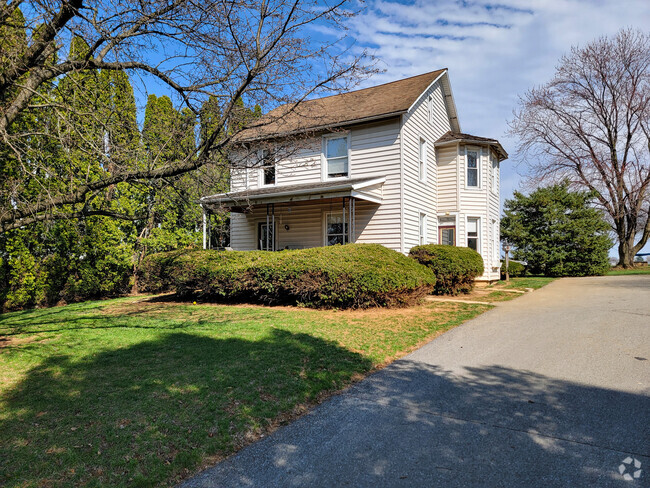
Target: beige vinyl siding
(238, 178)
(302, 166)
(243, 231)
(375, 152)
(447, 194)
(420, 196)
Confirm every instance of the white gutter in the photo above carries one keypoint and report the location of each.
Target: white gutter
(306, 191)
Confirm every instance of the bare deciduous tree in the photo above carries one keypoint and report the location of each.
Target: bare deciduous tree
(200, 49)
(591, 124)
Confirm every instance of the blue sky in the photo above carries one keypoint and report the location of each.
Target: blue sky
(494, 51)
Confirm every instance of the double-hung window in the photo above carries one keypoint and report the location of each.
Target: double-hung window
(472, 169)
(268, 168)
(422, 169)
(472, 233)
(336, 157)
(495, 174)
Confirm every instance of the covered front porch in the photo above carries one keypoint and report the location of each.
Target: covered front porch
(297, 216)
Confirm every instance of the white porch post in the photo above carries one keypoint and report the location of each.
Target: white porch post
(204, 228)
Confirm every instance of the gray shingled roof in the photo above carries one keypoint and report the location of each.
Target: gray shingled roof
(451, 136)
(373, 103)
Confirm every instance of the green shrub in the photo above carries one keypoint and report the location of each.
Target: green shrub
(515, 269)
(455, 267)
(350, 276)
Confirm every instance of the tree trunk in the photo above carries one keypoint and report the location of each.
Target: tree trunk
(626, 253)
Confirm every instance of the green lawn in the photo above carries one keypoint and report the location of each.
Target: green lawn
(534, 282)
(635, 271)
(134, 392)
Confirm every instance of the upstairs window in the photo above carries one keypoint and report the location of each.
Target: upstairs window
(268, 168)
(495, 174)
(472, 233)
(472, 169)
(336, 156)
(422, 169)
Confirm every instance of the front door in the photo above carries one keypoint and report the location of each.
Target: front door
(264, 238)
(447, 235)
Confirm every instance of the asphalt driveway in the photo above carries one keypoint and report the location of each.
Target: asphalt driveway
(551, 389)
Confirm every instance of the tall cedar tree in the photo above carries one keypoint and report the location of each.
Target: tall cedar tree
(557, 232)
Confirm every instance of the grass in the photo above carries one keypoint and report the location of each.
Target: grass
(134, 392)
(639, 270)
(497, 296)
(521, 283)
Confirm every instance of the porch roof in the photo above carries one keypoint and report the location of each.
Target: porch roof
(369, 189)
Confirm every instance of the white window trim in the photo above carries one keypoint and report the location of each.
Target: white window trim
(478, 232)
(323, 156)
(422, 228)
(260, 172)
(477, 150)
(422, 175)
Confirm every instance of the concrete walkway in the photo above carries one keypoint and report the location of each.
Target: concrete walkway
(551, 389)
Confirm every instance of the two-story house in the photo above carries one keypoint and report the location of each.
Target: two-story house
(387, 164)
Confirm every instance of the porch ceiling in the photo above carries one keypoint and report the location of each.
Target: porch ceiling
(368, 189)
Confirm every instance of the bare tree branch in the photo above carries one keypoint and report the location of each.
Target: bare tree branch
(590, 124)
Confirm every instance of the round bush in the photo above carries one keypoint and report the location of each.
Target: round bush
(515, 269)
(350, 276)
(455, 267)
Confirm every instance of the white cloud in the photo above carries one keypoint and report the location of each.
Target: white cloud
(494, 52)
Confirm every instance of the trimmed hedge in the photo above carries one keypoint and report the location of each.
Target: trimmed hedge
(455, 267)
(515, 269)
(350, 276)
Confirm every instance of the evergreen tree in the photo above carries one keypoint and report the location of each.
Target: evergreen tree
(557, 232)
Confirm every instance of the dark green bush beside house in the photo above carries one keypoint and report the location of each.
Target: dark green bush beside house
(350, 276)
(455, 267)
(557, 232)
(515, 269)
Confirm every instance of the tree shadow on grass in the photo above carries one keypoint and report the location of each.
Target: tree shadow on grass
(149, 413)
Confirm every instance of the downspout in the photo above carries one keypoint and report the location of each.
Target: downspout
(204, 227)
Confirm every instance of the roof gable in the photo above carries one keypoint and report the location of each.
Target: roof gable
(367, 104)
